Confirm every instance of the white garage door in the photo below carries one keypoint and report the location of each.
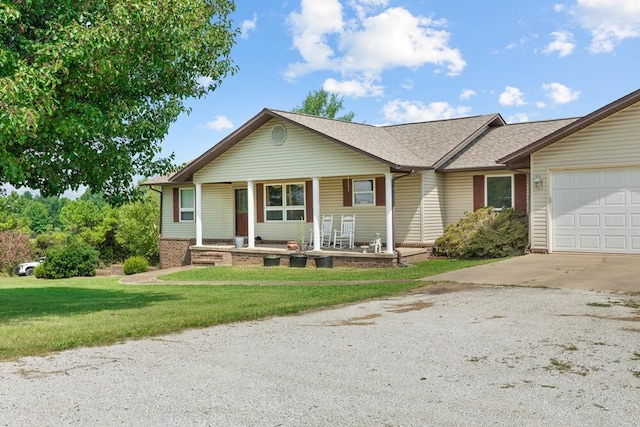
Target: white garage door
(596, 210)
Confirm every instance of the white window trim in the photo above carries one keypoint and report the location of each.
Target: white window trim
(486, 190)
(183, 209)
(284, 208)
(353, 192)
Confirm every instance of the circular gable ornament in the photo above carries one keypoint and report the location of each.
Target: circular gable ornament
(278, 134)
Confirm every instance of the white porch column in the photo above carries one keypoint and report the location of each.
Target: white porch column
(198, 208)
(316, 213)
(389, 210)
(251, 215)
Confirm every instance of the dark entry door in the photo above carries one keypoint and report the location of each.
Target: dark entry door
(242, 215)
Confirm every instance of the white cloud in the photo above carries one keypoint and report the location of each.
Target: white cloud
(518, 118)
(467, 93)
(219, 123)
(540, 104)
(204, 81)
(353, 88)
(364, 46)
(609, 21)
(559, 93)
(247, 26)
(558, 7)
(407, 84)
(563, 43)
(414, 111)
(511, 96)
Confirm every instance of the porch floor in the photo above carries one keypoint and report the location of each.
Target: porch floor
(280, 249)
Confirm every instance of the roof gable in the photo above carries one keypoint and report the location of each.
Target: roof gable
(523, 153)
(401, 147)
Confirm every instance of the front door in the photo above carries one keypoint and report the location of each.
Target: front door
(242, 215)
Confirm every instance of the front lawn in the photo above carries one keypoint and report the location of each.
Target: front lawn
(41, 316)
(284, 274)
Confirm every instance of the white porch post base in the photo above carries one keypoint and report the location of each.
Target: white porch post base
(316, 214)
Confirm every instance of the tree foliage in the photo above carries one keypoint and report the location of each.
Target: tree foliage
(89, 88)
(14, 249)
(320, 103)
(140, 227)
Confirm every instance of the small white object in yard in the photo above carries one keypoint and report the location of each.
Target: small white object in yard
(377, 244)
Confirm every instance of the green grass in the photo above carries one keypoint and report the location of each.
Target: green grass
(284, 274)
(42, 316)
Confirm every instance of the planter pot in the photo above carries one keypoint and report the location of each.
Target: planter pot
(324, 262)
(238, 242)
(292, 245)
(271, 260)
(298, 260)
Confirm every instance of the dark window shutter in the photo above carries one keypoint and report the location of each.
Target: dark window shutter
(478, 192)
(176, 205)
(347, 195)
(381, 193)
(308, 200)
(260, 202)
(520, 192)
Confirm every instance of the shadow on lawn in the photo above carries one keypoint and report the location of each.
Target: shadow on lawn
(23, 303)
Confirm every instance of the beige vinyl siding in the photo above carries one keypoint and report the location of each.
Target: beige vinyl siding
(459, 195)
(459, 192)
(218, 211)
(433, 185)
(611, 142)
(304, 154)
(369, 219)
(408, 209)
(170, 228)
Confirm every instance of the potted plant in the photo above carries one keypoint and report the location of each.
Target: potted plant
(299, 259)
(271, 260)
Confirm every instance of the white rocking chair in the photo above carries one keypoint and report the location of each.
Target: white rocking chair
(325, 232)
(346, 233)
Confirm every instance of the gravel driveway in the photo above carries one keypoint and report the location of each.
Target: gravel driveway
(447, 355)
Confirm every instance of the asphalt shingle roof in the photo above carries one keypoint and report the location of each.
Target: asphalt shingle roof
(496, 142)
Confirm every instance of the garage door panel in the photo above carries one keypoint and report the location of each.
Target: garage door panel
(596, 210)
(589, 220)
(615, 243)
(615, 198)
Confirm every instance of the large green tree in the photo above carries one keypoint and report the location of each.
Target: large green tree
(88, 88)
(321, 103)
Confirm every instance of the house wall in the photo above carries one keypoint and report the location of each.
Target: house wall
(170, 228)
(408, 209)
(369, 219)
(303, 155)
(613, 141)
(459, 193)
(433, 186)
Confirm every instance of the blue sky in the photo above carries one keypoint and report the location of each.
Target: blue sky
(398, 61)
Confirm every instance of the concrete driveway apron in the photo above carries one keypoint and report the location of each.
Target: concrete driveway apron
(601, 272)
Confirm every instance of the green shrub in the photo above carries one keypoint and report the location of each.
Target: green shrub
(39, 271)
(135, 264)
(485, 233)
(73, 259)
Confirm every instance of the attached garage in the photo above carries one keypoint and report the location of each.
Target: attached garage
(585, 182)
(596, 210)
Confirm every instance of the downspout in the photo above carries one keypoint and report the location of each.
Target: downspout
(527, 249)
(393, 196)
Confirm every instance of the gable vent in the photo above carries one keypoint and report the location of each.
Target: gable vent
(278, 134)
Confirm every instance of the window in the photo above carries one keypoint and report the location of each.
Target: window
(363, 193)
(187, 204)
(499, 191)
(287, 206)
